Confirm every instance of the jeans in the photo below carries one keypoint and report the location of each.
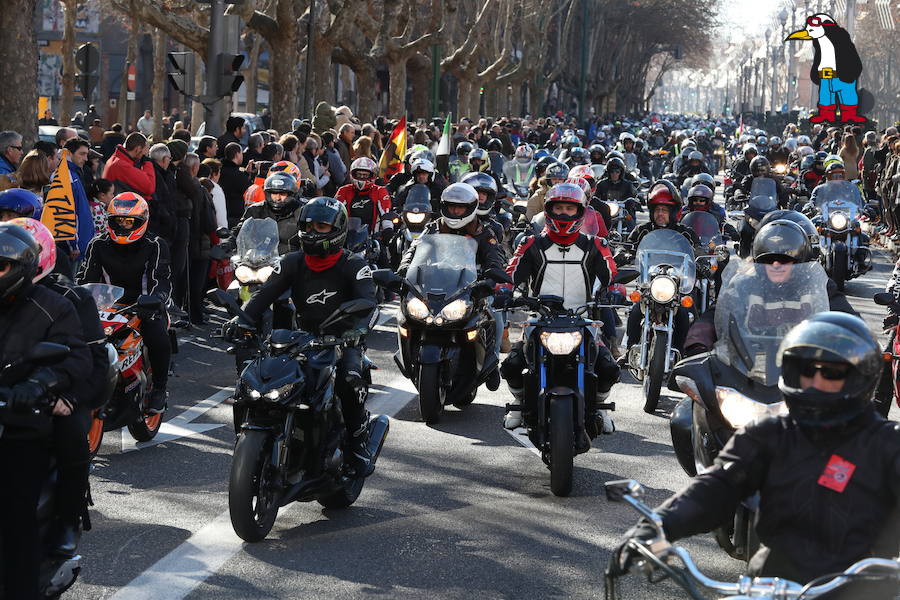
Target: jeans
(834, 91)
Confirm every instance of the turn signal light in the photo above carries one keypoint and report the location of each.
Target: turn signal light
(687, 302)
(714, 267)
(634, 296)
(471, 335)
(887, 356)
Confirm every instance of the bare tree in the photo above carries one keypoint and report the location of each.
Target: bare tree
(159, 82)
(18, 48)
(70, 8)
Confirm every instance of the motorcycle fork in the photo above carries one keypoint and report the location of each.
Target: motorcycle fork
(667, 329)
(281, 447)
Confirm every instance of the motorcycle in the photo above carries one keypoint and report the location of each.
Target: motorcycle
(660, 555)
(291, 437)
(887, 299)
(561, 347)
(57, 574)
(840, 234)
(621, 216)
(413, 219)
(763, 200)
(133, 376)
(737, 381)
(665, 260)
(446, 331)
(711, 254)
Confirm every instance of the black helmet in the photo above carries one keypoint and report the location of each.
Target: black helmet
(556, 170)
(843, 341)
(781, 240)
(285, 183)
(463, 148)
(323, 210)
(494, 145)
(21, 252)
(615, 163)
(702, 192)
(807, 163)
(541, 166)
(579, 156)
(704, 179)
(800, 219)
(482, 182)
(759, 165)
(597, 153)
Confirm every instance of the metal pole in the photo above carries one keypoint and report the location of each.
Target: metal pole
(213, 110)
(310, 28)
(582, 84)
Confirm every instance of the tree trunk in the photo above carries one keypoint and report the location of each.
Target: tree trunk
(516, 101)
(465, 91)
(197, 108)
(366, 94)
(397, 88)
(322, 75)
(420, 80)
(159, 83)
(126, 107)
(68, 62)
(537, 96)
(284, 56)
(18, 68)
(252, 83)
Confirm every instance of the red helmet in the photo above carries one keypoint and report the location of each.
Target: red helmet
(564, 229)
(127, 217)
(584, 172)
(661, 195)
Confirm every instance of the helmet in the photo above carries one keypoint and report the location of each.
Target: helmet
(494, 145)
(459, 194)
(702, 193)
(803, 140)
(822, 156)
(417, 207)
(832, 159)
(761, 141)
(540, 154)
(285, 166)
(844, 341)
(749, 149)
(571, 141)
(807, 163)
(483, 183)
(564, 229)
(695, 155)
(597, 153)
(663, 193)
(281, 183)
(615, 154)
(422, 154)
(582, 183)
(323, 210)
(579, 156)
(480, 155)
(421, 164)
(834, 170)
(704, 179)
(21, 202)
(775, 141)
(800, 219)
(689, 144)
(717, 131)
(781, 240)
(614, 164)
(625, 137)
(804, 151)
(412, 153)
(556, 170)
(584, 172)
(360, 166)
(790, 144)
(463, 148)
(18, 248)
(541, 166)
(638, 145)
(759, 166)
(127, 209)
(45, 241)
(524, 152)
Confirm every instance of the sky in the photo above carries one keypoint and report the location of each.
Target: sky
(748, 17)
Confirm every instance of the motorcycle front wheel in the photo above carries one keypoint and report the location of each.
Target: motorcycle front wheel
(562, 445)
(431, 393)
(251, 495)
(95, 436)
(654, 376)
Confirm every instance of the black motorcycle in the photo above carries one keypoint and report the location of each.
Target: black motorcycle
(560, 350)
(446, 331)
(737, 381)
(57, 573)
(291, 438)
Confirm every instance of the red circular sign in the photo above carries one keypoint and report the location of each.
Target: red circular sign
(132, 78)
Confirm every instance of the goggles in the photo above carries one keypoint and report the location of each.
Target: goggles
(830, 371)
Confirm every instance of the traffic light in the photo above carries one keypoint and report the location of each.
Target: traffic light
(230, 80)
(182, 78)
(481, 91)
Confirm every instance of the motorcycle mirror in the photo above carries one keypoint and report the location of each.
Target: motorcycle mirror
(149, 303)
(223, 233)
(497, 275)
(617, 490)
(884, 298)
(225, 300)
(519, 209)
(386, 278)
(347, 309)
(46, 353)
(625, 276)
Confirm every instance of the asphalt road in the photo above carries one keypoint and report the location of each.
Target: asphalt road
(458, 510)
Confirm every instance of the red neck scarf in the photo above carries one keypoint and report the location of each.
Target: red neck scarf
(320, 263)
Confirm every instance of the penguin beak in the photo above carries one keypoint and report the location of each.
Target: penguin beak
(799, 35)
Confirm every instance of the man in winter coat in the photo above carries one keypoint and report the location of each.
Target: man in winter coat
(130, 169)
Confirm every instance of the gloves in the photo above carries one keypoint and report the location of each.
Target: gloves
(352, 336)
(236, 330)
(24, 396)
(890, 321)
(622, 258)
(502, 298)
(620, 562)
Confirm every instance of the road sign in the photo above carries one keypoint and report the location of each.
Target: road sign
(132, 78)
(86, 83)
(130, 96)
(182, 78)
(87, 58)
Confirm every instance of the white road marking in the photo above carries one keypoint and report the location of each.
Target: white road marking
(177, 574)
(181, 425)
(520, 434)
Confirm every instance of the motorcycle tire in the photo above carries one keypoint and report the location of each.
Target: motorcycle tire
(251, 501)
(346, 495)
(95, 436)
(839, 271)
(431, 393)
(653, 378)
(562, 444)
(145, 427)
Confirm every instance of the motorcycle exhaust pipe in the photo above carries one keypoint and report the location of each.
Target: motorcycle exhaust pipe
(378, 430)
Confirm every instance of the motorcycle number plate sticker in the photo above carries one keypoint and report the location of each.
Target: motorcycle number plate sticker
(837, 474)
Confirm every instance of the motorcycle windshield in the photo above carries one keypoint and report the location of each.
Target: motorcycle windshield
(518, 173)
(763, 195)
(667, 250)
(443, 263)
(257, 242)
(104, 295)
(837, 195)
(760, 304)
(705, 226)
(599, 171)
(357, 234)
(631, 161)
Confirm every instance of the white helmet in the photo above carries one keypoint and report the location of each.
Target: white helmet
(524, 152)
(459, 194)
(363, 163)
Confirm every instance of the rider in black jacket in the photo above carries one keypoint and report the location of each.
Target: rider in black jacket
(828, 474)
(29, 314)
(321, 277)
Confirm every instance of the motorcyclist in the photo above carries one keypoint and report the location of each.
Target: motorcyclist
(760, 167)
(778, 154)
(18, 202)
(479, 162)
(694, 165)
(415, 215)
(365, 199)
(460, 166)
(700, 197)
(320, 277)
(30, 314)
(741, 167)
(486, 187)
(812, 172)
(282, 205)
(138, 262)
(556, 173)
(597, 153)
(520, 169)
(423, 173)
(613, 185)
(564, 262)
(827, 474)
(577, 156)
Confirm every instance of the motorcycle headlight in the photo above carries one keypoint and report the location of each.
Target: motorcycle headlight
(663, 289)
(613, 208)
(456, 310)
(739, 410)
(560, 342)
(838, 221)
(279, 392)
(244, 273)
(264, 273)
(417, 309)
(415, 218)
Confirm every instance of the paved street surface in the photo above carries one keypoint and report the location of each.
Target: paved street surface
(458, 510)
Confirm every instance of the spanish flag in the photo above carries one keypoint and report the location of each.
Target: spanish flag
(59, 208)
(391, 161)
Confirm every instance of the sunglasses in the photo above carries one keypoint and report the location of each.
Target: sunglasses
(769, 260)
(830, 371)
(362, 175)
(19, 148)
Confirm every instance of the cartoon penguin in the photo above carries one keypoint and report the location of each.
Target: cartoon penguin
(835, 68)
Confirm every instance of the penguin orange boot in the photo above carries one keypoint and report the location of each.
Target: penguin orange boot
(826, 114)
(848, 114)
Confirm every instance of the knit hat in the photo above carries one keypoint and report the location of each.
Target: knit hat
(178, 149)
